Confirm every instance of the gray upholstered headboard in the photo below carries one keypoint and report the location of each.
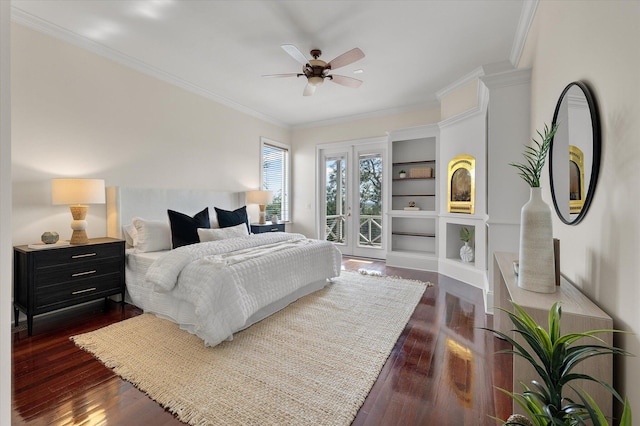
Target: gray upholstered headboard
(124, 203)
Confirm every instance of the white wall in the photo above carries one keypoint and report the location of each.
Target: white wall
(78, 114)
(304, 142)
(599, 42)
(5, 215)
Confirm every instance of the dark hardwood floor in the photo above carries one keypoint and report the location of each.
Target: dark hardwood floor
(442, 371)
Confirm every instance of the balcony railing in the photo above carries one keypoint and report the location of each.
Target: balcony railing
(369, 235)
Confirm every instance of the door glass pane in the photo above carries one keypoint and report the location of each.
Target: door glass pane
(336, 193)
(370, 213)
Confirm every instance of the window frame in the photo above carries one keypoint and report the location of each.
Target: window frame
(287, 184)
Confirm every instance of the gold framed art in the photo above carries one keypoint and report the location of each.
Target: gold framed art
(461, 184)
(576, 179)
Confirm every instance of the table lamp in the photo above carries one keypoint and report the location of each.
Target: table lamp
(77, 193)
(261, 198)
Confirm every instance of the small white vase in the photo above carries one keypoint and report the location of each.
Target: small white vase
(466, 252)
(536, 260)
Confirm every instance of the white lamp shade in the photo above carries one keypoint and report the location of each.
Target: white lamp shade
(77, 191)
(259, 197)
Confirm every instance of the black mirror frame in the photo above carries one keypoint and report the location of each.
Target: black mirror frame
(597, 147)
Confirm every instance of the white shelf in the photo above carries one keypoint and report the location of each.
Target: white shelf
(413, 213)
(412, 234)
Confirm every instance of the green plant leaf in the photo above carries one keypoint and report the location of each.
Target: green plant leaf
(554, 356)
(535, 157)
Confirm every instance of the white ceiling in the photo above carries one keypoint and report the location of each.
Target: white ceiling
(221, 49)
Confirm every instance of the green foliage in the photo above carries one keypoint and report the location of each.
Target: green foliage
(554, 356)
(535, 157)
(466, 234)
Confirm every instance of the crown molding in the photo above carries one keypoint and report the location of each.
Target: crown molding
(526, 19)
(473, 75)
(507, 78)
(23, 18)
(374, 114)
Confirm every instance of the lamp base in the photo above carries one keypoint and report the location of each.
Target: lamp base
(262, 216)
(79, 237)
(79, 224)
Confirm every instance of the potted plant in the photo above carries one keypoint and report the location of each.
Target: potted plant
(536, 257)
(466, 251)
(402, 174)
(554, 357)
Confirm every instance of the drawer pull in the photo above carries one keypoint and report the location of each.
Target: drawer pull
(79, 274)
(86, 290)
(78, 256)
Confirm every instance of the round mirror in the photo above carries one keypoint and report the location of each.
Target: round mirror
(574, 155)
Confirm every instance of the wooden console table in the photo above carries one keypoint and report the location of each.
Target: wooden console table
(578, 314)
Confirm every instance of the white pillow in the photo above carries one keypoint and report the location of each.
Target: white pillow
(206, 234)
(130, 235)
(152, 235)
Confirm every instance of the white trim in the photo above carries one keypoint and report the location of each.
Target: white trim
(460, 117)
(5, 214)
(475, 74)
(507, 78)
(359, 142)
(21, 17)
(524, 25)
(417, 132)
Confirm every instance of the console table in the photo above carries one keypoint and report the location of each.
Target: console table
(578, 314)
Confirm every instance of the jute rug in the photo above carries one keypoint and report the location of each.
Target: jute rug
(313, 363)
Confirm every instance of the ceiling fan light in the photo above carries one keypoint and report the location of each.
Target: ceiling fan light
(315, 80)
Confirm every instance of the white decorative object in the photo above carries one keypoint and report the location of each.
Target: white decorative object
(536, 257)
(274, 219)
(466, 252)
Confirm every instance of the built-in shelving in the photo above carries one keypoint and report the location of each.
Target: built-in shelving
(413, 233)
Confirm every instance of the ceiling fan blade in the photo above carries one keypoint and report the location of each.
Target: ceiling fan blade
(346, 58)
(295, 53)
(309, 90)
(293, 74)
(345, 81)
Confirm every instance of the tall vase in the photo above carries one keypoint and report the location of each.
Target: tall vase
(536, 260)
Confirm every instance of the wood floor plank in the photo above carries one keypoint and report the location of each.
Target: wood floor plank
(442, 370)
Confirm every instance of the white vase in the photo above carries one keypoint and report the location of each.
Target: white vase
(466, 252)
(536, 270)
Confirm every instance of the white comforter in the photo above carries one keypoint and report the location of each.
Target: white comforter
(228, 281)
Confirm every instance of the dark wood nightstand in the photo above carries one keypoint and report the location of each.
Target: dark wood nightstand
(49, 279)
(257, 228)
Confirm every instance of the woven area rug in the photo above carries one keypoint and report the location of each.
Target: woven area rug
(313, 363)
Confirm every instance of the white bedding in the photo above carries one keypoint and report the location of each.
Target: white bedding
(215, 289)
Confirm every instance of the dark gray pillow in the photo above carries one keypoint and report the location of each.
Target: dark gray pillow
(184, 228)
(228, 218)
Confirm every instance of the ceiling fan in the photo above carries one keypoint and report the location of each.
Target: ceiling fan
(317, 70)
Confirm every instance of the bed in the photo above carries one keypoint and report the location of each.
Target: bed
(215, 288)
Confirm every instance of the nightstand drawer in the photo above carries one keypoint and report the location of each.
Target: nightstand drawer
(76, 271)
(73, 292)
(71, 255)
(267, 227)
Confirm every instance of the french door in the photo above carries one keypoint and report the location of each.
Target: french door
(351, 197)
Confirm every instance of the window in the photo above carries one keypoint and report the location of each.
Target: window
(275, 175)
